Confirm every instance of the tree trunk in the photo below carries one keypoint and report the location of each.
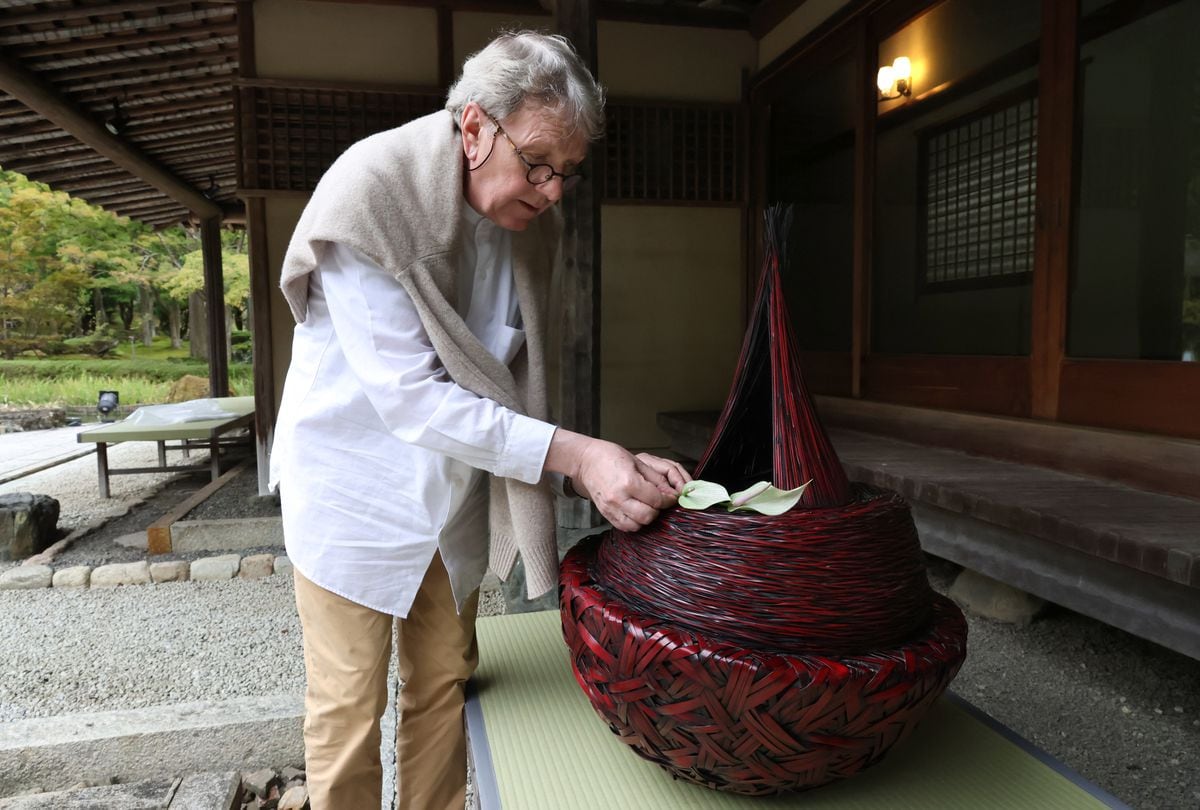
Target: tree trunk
(146, 299)
(98, 306)
(126, 310)
(198, 325)
(173, 322)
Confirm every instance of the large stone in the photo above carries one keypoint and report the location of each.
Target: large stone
(26, 577)
(189, 387)
(257, 566)
(28, 524)
(994, 600)
(77, 576)
(110, 576)
(283, 565)
(215, 568)
(169, 571)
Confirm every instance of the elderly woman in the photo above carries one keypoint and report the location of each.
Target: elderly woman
(412, 446)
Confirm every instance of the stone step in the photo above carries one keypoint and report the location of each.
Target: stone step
(156, 742)
(201, 791)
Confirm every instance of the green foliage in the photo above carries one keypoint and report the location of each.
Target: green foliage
(157, 370)
(39, 383)
(64, 264)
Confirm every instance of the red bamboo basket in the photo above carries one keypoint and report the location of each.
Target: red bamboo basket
(742, 720)
(759, 654)
(836, 580)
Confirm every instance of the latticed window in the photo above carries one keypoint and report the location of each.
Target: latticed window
(978, 176)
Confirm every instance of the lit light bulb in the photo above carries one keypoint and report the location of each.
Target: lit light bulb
(902, 69)
(885, 80)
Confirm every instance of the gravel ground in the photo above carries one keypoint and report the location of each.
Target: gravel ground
(1123, 712)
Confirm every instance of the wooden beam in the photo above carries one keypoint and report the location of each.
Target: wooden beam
(262, 285)
(63, 14)
(214, 291)
(579, 349)
(247, 55)
(1052, 222)
(110, 45)
(866, 114)
(145, 66)
(158, 533)
(35, 94)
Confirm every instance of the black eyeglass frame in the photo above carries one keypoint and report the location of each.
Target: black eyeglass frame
(569, 181)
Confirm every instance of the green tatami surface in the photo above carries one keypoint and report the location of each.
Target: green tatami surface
(539, 745)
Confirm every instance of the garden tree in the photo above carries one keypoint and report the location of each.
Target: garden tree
(58, 255)
(186, 283)
(64, 263)
(162, 255)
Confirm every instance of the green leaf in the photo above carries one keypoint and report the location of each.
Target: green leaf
(702, 494)
(767, 500)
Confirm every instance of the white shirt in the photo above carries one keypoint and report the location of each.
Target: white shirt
(377, 452)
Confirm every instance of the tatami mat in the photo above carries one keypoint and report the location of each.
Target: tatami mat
(538, 745)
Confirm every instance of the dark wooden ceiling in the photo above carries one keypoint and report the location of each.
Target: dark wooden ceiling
(163, 67)
(164, 70)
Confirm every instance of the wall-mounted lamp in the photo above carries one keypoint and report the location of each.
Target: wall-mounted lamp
(117, 122)
(895, 80)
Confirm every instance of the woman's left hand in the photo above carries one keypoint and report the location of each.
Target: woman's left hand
(667, 475)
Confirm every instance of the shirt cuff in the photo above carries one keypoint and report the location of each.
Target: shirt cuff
(525, 449)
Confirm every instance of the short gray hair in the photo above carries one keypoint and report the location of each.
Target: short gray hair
(527, 66)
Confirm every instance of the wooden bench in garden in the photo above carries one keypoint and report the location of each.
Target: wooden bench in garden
(207, 434)
(1102, 522)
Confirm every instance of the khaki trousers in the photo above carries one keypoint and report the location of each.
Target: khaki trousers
(346, 652)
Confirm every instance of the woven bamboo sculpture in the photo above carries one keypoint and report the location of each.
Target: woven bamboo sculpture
(760, 654)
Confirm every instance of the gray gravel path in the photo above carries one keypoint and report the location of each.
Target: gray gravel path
(1122, 712)
(67, 651)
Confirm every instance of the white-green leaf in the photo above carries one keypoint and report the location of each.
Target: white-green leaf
(768, 500)
(702, 494)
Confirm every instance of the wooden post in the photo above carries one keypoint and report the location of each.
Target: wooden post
(261, 285)
(214, 288)
(1052, 224)
(866, 114)
(579, 351)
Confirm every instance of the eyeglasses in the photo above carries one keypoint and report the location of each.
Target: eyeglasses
(539, 173)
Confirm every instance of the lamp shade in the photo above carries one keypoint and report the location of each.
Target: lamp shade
(885, 80)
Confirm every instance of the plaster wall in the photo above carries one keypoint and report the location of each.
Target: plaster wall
(671, 315)
(282, 216)
(345, 42)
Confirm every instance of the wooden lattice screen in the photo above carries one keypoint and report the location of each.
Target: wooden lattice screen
(671, 153)
(290, 135)
(675, 153)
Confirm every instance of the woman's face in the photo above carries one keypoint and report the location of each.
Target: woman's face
(497, 185)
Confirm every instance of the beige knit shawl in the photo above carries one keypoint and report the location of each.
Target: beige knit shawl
(396, 197)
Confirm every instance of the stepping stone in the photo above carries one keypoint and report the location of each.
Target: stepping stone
(202, 791)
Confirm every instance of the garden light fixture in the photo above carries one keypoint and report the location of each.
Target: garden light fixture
(106, 404)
